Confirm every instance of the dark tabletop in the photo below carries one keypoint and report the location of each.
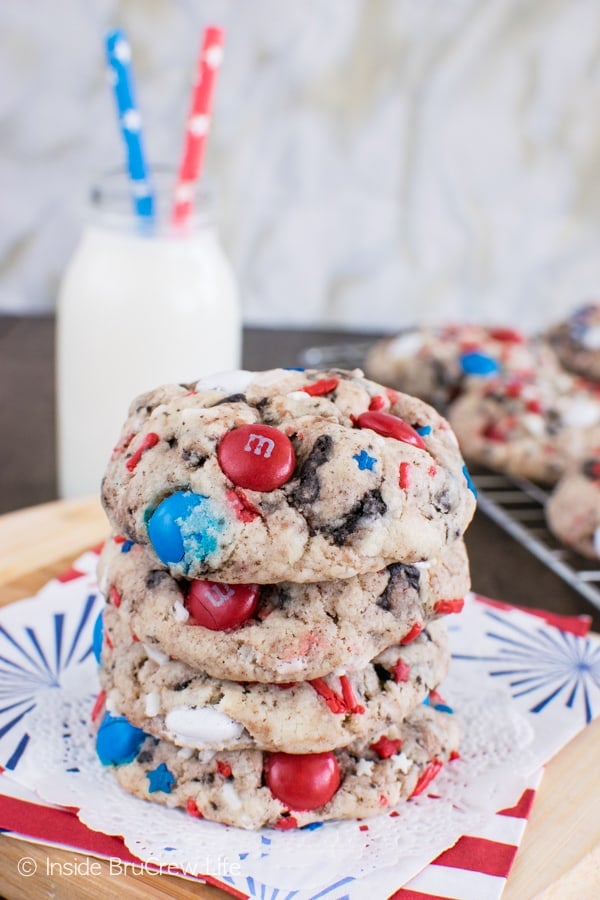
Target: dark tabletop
(500, 567)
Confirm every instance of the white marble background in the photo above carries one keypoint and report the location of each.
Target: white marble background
(378, 162)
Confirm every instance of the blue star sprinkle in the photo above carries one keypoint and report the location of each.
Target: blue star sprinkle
(160, 780)
(424, 430)
(364, 460)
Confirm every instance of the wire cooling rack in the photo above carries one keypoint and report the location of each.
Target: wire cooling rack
(515, 504)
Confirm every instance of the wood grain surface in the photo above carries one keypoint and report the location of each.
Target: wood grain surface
(558, 858)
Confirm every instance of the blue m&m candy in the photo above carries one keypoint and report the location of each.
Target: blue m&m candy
(164, 525)
(98, 637)
(118, 741)
(478, 364)
(187, 525)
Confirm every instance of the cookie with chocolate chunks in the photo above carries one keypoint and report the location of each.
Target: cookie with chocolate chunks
(252, 789)
(173, 701)
(286, 475)
(292, 631)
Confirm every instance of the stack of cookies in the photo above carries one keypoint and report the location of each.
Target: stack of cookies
(285, 547)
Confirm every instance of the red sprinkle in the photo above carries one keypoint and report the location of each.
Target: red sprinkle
(243, 509)
(334, 701)
(435, 699)
(454, 755)
(287, 824)
(383, 801)
(223, 768)
(114, 597)
(394, 814)
(414, 632)
(404, 477)
(444, 607)
(108, 641)
(432, 471)
(123, 444)
(385, 747)
(427, 777)
(492, 432)
(324, 386)
(150, 440)
(401, 671)
(192, 809)
(391, 426)
(346, 703)
(119, 539)
(98, 705)
(363, 827)
(507, 334)
(348, 695)
(534, 406)
(392, 395)
(377, 403)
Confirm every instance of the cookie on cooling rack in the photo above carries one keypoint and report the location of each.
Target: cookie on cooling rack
(573, 508)
(576, 341)
(531, 426)
(286, 476)
(435, 363)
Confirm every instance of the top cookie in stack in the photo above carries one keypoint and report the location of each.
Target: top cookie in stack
(280, 525)
(286, 475)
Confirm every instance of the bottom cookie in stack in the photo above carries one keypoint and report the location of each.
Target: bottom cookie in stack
(253, 788)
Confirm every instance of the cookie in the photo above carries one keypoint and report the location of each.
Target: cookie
(573, 508)
(295, 632)
(435, 363)
(528, 426)
(286, 476)
(252, 789)
(576, 341)
(171, 700)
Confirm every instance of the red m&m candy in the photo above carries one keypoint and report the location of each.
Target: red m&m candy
(391, 426)
(303, 780)
(221, 606)
(257, 457)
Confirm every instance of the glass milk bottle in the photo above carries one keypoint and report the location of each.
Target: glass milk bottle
(138, 307)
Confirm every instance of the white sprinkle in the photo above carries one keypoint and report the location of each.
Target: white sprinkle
(230, 796)
(152, 704)
(365, 767)
(235, 381)
(534, 424)
(157, 655)
(185, 753)
(109, 703)
(201, 727)
(582, 413)
(204, 756)
(597, 542)
(159, 410)
(402, 763)
(180, 613)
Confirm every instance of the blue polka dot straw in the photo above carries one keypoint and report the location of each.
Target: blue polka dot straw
(120, 70)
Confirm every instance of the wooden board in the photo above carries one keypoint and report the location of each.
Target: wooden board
(559, 856)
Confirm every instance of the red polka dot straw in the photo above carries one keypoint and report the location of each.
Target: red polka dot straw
(198, 124)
